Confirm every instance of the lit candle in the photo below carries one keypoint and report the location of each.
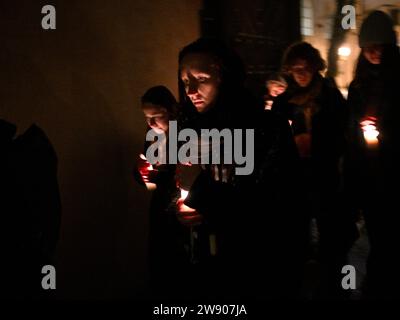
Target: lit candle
(268, 105)
(184, 194)
(188, 212)
(182, 206)
(149, 185)
(370, 132)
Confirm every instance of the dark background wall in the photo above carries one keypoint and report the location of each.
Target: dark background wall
(82, 83)
(259, 31)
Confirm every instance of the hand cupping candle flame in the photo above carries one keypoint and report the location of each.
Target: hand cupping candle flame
(146, 169)
(186, 215)
(183, 207)
(370, 131)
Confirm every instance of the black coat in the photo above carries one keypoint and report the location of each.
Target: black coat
(167, 256)
(368, 171)
(372, 174)
(320, 190)
(30, 209)
(328, 128)
(257, 228)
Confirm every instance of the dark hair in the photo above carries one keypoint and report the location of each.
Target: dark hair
(230, 63)
(377, 28)
(304, 51)
(390, 66)
(232, 69)
(160, 96)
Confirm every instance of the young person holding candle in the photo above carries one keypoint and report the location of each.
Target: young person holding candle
(256, 239)
(317, 112)
(275, 85)
(372, 162)
(167, 237)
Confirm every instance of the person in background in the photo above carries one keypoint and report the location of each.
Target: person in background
(372, 160)
(317, 112)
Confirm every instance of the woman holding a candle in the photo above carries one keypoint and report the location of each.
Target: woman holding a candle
(167, 255)
(254, 240)
(317, 112)
(372, 164)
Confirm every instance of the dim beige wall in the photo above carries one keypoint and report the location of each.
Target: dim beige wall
(82, 83)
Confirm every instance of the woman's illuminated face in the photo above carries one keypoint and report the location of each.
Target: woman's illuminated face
(157, 117)
(302, 73)
(201, 77)
(373, 53)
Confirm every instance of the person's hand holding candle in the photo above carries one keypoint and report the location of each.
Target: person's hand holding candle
(147, 172)
(370, 131)
(186, 215)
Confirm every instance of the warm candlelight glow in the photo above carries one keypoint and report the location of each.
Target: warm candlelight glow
(370, 132)
(268, 105)
(344, 51)
(181, 205)
(184, 194)
(184, 208)
(149, 185)
(142, 156)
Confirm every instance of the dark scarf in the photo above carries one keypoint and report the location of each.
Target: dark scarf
(306, 98)
(373, 91)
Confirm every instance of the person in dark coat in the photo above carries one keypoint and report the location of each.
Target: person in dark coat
(372, 162)
(30, 208)
(167, 236)
(317, 112)
(255, 238)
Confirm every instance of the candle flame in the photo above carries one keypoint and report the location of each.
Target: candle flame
(184, 194)
(142, 156)
(370, 132)
(182, 207)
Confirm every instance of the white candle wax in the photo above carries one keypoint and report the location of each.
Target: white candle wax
(370, 134)
(183, 207)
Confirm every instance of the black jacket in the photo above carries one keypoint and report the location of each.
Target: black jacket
(30, 208)
(253, 216)
(370, 171)
(328, 125)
